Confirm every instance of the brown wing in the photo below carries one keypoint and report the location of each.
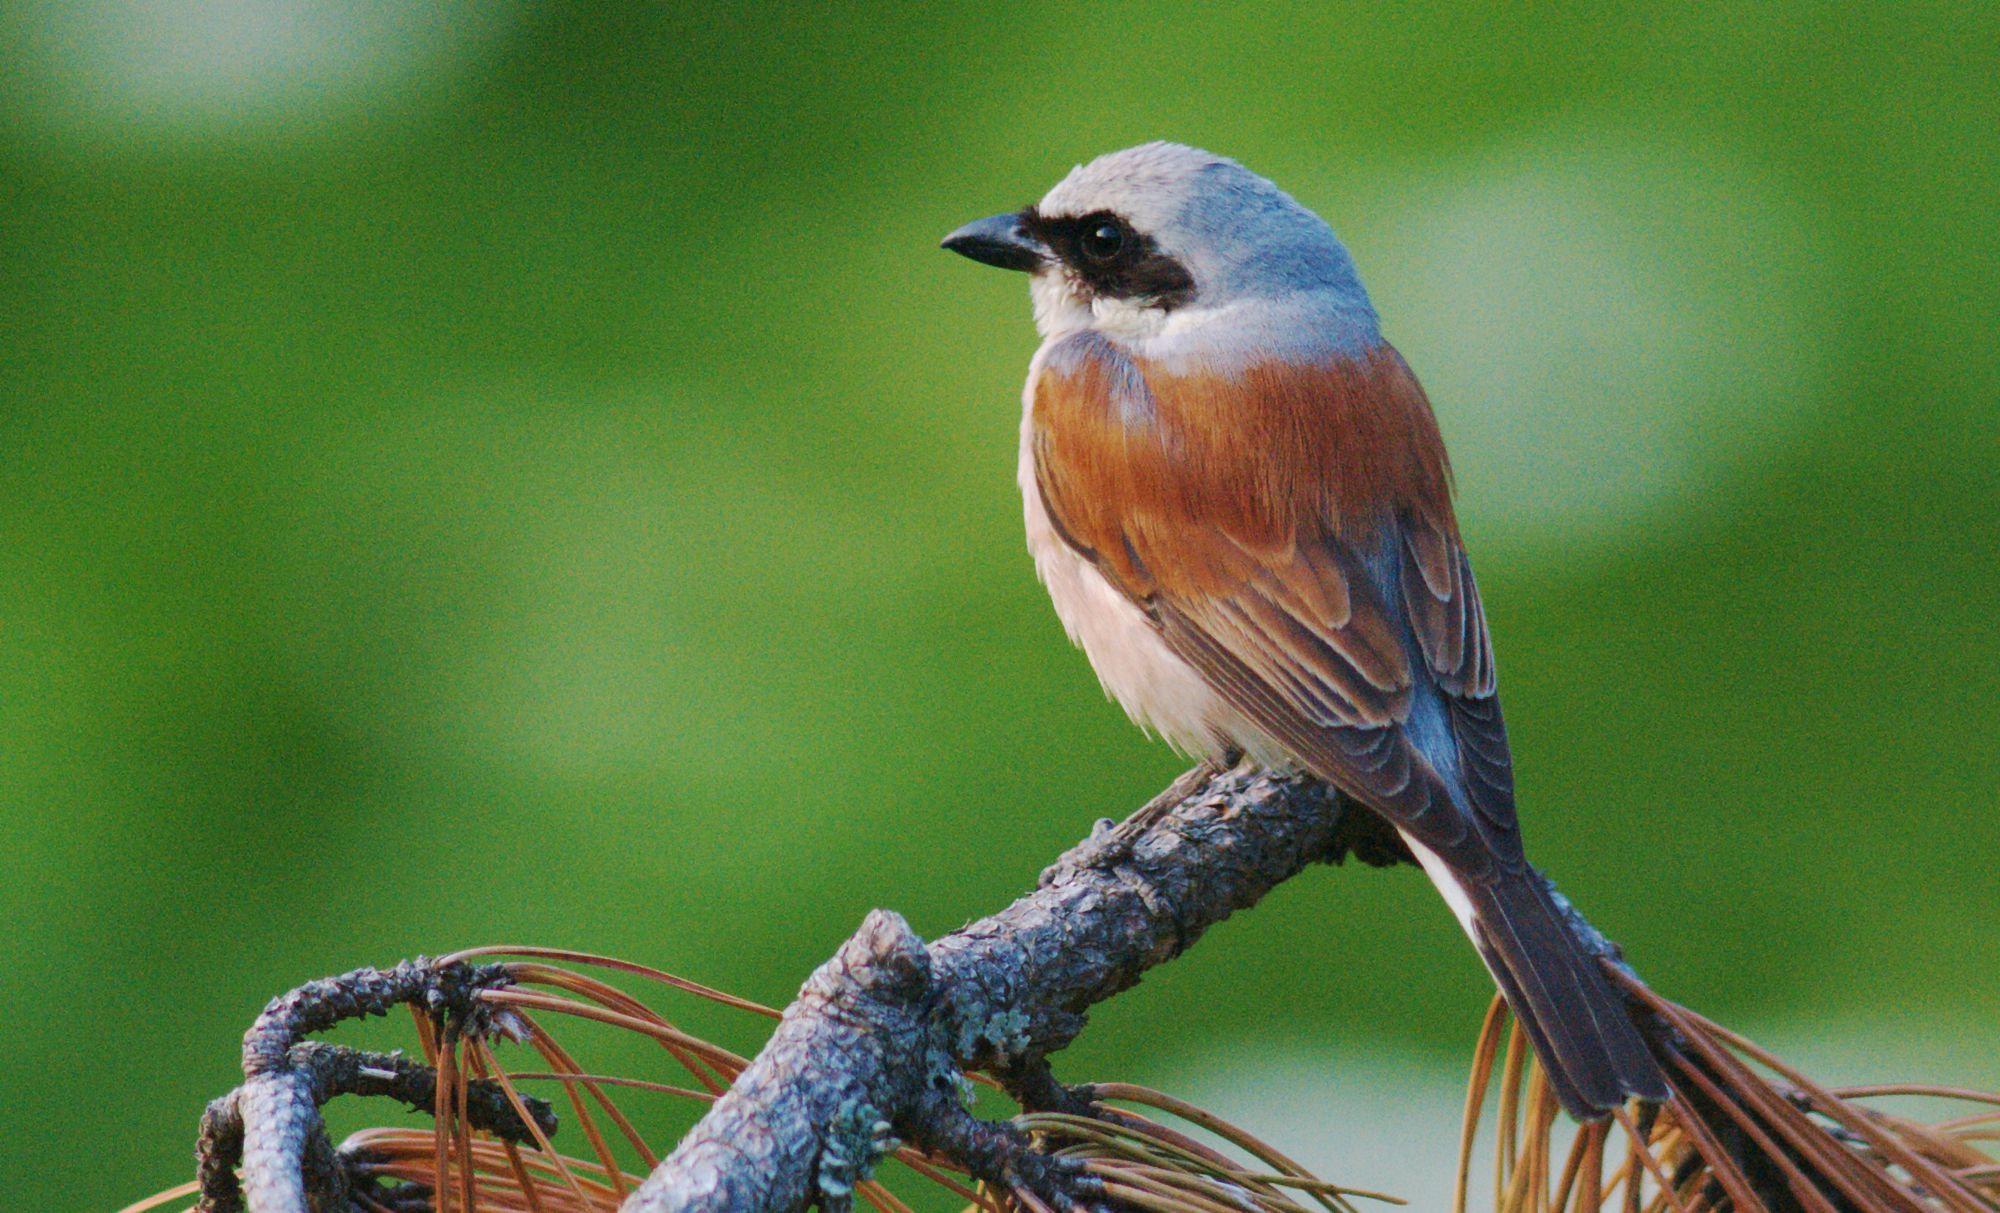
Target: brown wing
(1327, 606)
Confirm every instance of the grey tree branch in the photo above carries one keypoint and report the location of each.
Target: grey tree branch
(271, 1127)
(879, 1037)
(877, 1044)
(875, 1047)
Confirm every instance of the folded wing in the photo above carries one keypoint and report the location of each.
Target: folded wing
(1326, 608)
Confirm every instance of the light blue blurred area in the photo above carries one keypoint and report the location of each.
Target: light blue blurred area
(526, 473)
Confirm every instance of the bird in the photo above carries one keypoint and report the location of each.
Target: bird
(1239, 501)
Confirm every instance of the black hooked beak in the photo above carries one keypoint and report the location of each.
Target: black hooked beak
(1003, 240)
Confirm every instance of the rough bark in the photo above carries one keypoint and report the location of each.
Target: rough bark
(874, 1049)
(879, 1037)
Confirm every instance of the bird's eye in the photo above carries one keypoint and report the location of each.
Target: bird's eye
(1102, 241)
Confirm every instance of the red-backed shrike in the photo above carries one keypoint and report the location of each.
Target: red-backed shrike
(1238, 499)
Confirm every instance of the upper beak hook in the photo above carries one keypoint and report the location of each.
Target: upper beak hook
(1001, 240)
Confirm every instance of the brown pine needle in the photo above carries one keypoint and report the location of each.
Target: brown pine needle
(159, 1199)
(1157, 1136)
(441, 1117)
(548, 1150)
(715, 1079)
(582, 1010)
(1573, 1159)
(623, 966)
(475, 1053)
(1159, 1194)
(1475, 1096)
(530, 1191)
(614, 1080)
(1932, 1090)
(916, 1161)
(1510, 1106)
(1590, 1175)
(1652, 1164)
(1722, 1168)
(556, 1056)
(426, 1035)
(500, 1188)
(589, 1125)
(1240, 1138)
(1034, 1203)
(879, 1198)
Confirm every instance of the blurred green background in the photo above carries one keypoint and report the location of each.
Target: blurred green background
(525, 473)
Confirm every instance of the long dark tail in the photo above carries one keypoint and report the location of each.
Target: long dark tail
(1580, 1027)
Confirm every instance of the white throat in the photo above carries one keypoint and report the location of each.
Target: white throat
(1305, 326)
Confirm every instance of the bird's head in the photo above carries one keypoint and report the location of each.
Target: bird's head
(1175, 251)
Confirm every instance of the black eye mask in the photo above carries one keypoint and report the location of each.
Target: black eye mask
(1116, 261)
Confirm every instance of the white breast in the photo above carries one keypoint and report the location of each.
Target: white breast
(1162, 693)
